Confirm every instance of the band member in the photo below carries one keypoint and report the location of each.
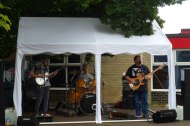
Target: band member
(40, 70)
(86, 76)
(141, 94)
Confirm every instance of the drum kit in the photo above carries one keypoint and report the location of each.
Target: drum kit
(82, 98)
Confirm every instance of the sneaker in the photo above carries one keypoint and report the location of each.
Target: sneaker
(47, 115)
(140, 116)
(38, 115)
(147, 116)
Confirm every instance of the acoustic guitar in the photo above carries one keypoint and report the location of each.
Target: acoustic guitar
(139, 79)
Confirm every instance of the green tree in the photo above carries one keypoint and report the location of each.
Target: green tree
(5, 44)
(132, 17)
(4, 20)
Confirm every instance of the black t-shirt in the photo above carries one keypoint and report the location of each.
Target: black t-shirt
(134, 70)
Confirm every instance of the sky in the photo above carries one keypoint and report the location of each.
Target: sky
(176, 17)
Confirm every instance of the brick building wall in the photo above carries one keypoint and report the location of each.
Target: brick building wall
(159, 97)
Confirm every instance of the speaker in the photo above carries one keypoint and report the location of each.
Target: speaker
(185, 81)
(27, 121)
(164, 116)
(128, 100)
(185, 91)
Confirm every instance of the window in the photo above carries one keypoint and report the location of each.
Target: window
(159, 58)
(66, 75)
(74, 58)
(60, 79)
(182, 56)
(160, 78)
(178, 74)
(181, 60)
(57, 59)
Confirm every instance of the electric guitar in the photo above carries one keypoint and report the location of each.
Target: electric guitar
(41, 80)
(139, 79)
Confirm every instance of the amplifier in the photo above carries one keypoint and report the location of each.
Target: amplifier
(164, 116)
(27, 121)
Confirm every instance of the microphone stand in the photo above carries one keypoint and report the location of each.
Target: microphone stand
(72, 86)
(66, 92)
(72, 78)
(104, 105)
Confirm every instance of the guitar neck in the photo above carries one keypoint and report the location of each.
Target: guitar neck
(55, 71)
(59, 69)
(155, 70)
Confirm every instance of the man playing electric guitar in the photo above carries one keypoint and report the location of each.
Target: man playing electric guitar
(138, 75)
(38, 71)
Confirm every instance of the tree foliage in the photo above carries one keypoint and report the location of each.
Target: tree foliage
(4, 20)
(132, 17)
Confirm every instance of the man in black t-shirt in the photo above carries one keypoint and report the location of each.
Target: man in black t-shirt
(140, 85)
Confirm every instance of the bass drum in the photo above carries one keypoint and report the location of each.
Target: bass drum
(74, 96)
(88, 103)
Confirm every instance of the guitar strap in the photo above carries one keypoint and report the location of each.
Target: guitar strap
(138, 70)
(135, 72)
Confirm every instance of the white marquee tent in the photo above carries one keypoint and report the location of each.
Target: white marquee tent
(85, 35)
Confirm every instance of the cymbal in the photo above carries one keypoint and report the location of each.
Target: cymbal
(74, 72)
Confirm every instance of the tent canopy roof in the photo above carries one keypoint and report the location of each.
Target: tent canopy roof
(81, 35)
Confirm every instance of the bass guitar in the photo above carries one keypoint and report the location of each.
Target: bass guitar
(139, 79)
(41, 80)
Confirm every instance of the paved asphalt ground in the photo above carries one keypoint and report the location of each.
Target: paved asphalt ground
(84, 120)
(89, 120)
(128, 123)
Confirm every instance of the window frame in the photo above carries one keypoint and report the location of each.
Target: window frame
(65, 64)
(156, 64)
(175, 63)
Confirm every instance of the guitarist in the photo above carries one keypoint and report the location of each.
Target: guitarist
(38, 71)
(141, 94)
